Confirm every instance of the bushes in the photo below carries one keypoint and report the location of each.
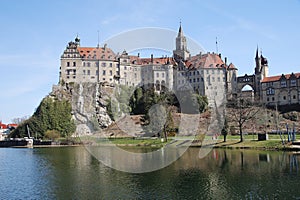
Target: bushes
(293, 116)
(52, 114)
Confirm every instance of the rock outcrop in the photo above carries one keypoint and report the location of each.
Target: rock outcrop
(88, 105)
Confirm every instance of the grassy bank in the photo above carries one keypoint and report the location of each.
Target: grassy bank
(251, 142)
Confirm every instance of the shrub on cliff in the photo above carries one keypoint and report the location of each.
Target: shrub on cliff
(51, 114)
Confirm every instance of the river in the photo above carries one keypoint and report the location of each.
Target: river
(72, 173)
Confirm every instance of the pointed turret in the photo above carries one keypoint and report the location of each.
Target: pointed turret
(180, 32)
(181, 51)
(257, 62)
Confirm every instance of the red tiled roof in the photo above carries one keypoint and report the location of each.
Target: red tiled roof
(205, 61)
(12, 125)
(92, 53)
(231, 66)
(3, 126)
(277, 78)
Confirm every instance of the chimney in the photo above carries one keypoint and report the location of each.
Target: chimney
(225, 60)
(220, 55)
(138, 55)
(200, 54)
(152, 58)
(105, 45)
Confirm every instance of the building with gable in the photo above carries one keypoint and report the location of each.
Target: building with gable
(279, 90)
(205, 73)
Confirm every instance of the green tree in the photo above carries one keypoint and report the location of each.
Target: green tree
(51, 114)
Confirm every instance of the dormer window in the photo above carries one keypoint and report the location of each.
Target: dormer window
(283, 83)
(293, 82)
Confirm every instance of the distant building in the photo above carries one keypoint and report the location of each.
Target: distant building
(281, 90)
(270, 90)
(205, 73)
(4, 130)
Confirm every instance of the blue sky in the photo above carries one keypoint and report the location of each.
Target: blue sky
(34, 33)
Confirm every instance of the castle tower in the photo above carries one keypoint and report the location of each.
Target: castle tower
(257, 62)
(181, 51)
(261, 71)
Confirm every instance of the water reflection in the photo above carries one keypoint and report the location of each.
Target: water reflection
(72, 173)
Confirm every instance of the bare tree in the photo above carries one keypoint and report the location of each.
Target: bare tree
(19, 120)
(242, 111)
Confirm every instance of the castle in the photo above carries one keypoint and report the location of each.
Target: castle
(205, 73)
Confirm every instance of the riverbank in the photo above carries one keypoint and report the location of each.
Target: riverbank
(233, 142)
(255, 144)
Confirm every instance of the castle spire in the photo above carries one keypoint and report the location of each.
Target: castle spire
(257, 52)
(181, 51)
(180, 32)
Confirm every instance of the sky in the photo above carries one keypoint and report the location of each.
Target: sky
(34, 34)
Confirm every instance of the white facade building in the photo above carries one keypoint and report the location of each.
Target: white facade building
(206, 74)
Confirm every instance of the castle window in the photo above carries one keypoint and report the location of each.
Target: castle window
(84, 64)
(219, 79)
(74, 64)
(293, 82)
(68, 64)
(213, 79)
(110, 72)
(268, 99)
(97, 72)
(284, 97)
(110, 64)
(294, 96)
(88, 64)
(198, 79)
(103, 72)
(198, 72)
(83, 72)
(103, 64)
(125, 74)
(163, 75)
(270, 91)
(273, 99)
(88, 72)
(283, 83)
(157, 75)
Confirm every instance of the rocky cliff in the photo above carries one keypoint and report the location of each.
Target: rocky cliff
(88, 105)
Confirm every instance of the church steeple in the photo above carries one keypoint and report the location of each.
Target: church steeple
(181, 51)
